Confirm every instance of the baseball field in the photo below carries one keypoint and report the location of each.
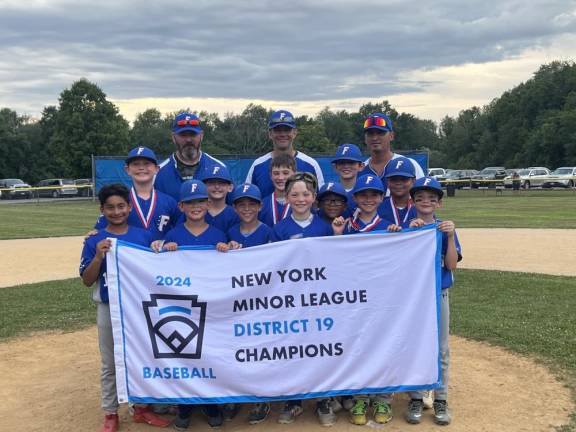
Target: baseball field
(513, 322)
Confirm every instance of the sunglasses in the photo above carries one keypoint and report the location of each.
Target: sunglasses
(332, 201)
(191, 122)
(305, 177)
(375, 121)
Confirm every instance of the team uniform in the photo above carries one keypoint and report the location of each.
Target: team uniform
(389, 211)
(100, 296)
(224, 220)
(261, 235)
(355, 225)
(290, 229)
(183, 237)
(273, 211)
(259, 173)
(158, 214)
(169, 179)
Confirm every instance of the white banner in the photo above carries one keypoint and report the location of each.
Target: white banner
(291, 320)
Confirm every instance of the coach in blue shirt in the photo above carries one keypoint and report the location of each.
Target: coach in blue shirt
(188, 161)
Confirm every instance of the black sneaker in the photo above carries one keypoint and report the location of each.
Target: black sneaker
(229, 411)
(259, 413)
(182, 420)
(214, 415)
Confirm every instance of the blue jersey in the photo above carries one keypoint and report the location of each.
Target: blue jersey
(259, 173)
(210, 237)
(272, 211)
(260, 236)
(169, 180)
(158, 214)
(133, 235)
(356, 225)
(288, 229)
(387, 210)
(224, 220)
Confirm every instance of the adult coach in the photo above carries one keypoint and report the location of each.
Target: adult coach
(188, 161)
(378, 134)
(282, 131)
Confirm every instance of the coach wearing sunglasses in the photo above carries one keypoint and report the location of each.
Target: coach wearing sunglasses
(378, 134)
(188, 161)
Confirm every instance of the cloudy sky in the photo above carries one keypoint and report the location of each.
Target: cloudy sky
(428, 58)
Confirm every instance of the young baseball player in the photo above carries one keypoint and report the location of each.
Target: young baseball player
(427, 195)
(398, 207)
(332, 201)
(115, 207)
(274, 206)
(247, 202)
(219, 184)
(195, 231)
(348, 164)
(152, 210)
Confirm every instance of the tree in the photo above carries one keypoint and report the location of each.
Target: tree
(86, 124)
(151, 130)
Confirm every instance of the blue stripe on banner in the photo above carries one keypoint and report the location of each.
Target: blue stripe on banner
(175, 309)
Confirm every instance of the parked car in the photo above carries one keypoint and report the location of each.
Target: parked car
(460, 178)
(528, 177)
(561, 177)
(488, 177)
(87, 187)
(56, 188)
(14, 188)
(437, 173)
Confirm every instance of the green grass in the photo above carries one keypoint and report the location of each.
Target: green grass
(47, 219)
(525, 209)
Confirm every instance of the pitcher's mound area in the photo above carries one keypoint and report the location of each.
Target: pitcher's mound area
(51, 383)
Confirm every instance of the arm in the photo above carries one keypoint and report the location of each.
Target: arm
(92, 272)
(338, 225)
(451, 257)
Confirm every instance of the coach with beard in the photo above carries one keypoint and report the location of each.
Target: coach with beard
(188, 161)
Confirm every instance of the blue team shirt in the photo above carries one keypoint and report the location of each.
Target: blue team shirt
(260, 236)
(266, 212)
(259, 173)
(165, 216)
(382, 225)
(224, 220)
(386, 211)
(168, 179)
(210, 237)
(288, 229)
(134, 235)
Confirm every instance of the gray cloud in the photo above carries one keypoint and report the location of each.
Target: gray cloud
(298, 50)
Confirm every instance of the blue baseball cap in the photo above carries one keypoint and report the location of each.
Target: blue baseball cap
(348, 152)
(378, 121)
(246, 190)
(193, 190)
(141, 153)
(186, 122)
(400, 167)
(427, 183)
(368, 182)
(281, 118)
(332, 187)
(216, 172)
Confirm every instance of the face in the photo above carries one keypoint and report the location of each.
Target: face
(378, 141)
(368, 200)
(194, 210)
(279, 175)
(141, 170)
(332, 205)
(399, 186)
(247, 209)
(348, 169)
(300, 198)
(282, 137)
(188, 145)
(426, 202)
(217, 189)
(116, 210)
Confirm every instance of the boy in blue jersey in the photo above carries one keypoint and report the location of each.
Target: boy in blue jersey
(332, 201)
(115, 207)
(151, 210)
(195, 231)
(427, 196)
(247, 202)
(398, 207)
(219, 184)
(274, 206)
(368, 194)
(348, 162)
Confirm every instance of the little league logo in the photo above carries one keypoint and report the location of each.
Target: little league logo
(175, 325)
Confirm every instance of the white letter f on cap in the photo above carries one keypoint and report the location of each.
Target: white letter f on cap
(427, 181)
(399, 164)
(193, 189)
(245, 188)
(369, 179)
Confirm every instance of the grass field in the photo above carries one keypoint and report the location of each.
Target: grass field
(469, 209)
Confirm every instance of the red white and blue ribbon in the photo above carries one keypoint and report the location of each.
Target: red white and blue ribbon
(145, 220)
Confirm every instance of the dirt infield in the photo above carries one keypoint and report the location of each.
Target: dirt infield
(50, 381)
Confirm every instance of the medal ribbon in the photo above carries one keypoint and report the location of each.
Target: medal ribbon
(397, 213)
(368, 227)
(275, 210)
(144, 220)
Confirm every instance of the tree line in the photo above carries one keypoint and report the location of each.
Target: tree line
(533, 124)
